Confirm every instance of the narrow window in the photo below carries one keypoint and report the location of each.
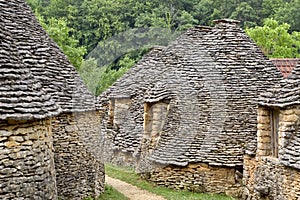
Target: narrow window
(154, 117)
(274, 119)
(111, 112)
(118, 111)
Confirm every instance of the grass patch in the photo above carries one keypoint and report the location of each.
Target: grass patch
(109, 194)
(128, 175)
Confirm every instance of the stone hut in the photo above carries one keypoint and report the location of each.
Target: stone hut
(122, 110)
(187, 113)
(26, 145)
(78, 172)
(273, 170)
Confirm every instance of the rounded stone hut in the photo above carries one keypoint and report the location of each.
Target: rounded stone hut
(189, 111)
(26, 146)
(78, 172)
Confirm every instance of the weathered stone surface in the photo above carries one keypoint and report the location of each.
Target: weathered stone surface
(79, 172)
(21, 95)
(269, 177)
(199, 177)
(211, 78)
(46, 63)
(266, 178)
(24, 172)
(37, 82)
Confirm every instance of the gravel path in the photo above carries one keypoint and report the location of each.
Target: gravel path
(130, 191)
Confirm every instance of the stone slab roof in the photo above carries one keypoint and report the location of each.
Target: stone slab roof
(21, 95)
(158, 93)
(43, 57)
(213, 76)
(285, 93)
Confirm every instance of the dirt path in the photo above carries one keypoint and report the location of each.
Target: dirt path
(130, 191)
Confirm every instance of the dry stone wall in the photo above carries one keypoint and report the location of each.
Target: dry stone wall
(26, 160)
(78, 172)
(271, 177)
(121, 134)
(199, 177)
(266, 178)
(212, 77)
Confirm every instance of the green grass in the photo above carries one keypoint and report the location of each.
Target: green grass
(109, 194)
(128, 175)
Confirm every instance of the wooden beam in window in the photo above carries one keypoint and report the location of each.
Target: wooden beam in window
(274, 118)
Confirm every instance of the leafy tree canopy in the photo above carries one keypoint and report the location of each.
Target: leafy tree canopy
(275, 40)
(86, 30)
(58, 30)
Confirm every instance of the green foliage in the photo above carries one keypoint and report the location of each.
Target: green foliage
(111, 194)
(271, 7)
(246, 14)
(128, 175)
(89, 28)
(117, 69)
(58, 30)
(91, 74)
(289, 13)
(275, 40)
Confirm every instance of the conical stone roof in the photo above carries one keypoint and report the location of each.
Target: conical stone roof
(44, 58)
(213, 77)
(21, 96)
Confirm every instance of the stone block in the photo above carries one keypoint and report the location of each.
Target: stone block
(263, 133)
(297, 111)
(265, 127)
(16, 138)
(10, 144)
(264, 146)
(4, 133)
(263, 119)
(263, 112)
(265, 139)
(290, 118)
(287, 112)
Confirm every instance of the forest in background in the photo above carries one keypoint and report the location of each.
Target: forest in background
(104, 38)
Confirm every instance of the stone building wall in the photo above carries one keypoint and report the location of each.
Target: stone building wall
(121, 129)
(78, 172)
(26, 160)
(266, 178)
(199, 177)
(274, 177)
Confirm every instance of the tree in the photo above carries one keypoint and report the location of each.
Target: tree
(114, 32)
(91, 74)
(60, 33)
(290, 14)
(113, 72)
(246, 14)
(275, 40)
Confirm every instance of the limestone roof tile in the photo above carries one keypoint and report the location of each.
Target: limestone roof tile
(284, 93)
(21, 95)
(44, 58)
(215, 75)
